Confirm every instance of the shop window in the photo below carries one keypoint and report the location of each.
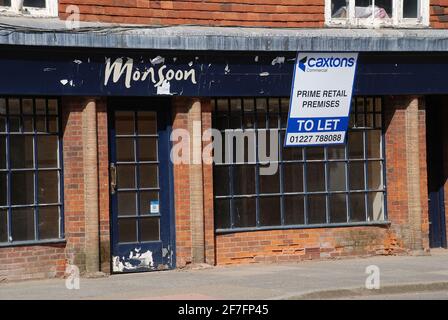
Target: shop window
(30, 171)
(395, 13)
(313, 186)
(30, 7)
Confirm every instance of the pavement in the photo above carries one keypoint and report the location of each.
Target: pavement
(401, 277)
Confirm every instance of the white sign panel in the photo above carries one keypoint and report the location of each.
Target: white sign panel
(320, 98)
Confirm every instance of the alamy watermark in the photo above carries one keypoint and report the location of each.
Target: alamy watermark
(229, 147)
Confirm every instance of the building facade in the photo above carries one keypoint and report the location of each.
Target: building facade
(106, 134)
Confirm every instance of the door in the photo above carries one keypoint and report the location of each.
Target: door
(140, 182)
(435, 119)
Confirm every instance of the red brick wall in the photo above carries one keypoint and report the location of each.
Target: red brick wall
(181, 191)
(207, 172)
(103, 183)
(439, 14)
(261, 13)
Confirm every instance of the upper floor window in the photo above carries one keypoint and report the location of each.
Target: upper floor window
(30, 7)
(375, 13)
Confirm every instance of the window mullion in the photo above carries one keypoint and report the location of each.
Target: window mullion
(36, 168)
(9, 175)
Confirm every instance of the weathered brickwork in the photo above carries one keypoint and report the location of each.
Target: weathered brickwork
(439, 14)
(252, 13)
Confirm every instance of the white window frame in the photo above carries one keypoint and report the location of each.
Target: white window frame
(396, 21)
(50, 10)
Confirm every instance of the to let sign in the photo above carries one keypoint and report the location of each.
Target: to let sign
(320, 98)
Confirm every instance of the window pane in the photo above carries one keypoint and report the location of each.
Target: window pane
(48, 223)
(269, 183)
(47, 151)
(124, 122)
(48, 187)
(53, 124)
(339, 9)
(374, 144)
(148, 176)
(21, 151)
(355, 144)
(338, 208)
(336, 152)
(40, 106)
(270, 211)
(126, 203)
(3, 226)
(244, 179)
(244, 209)
(125, 149)
(53, 106)
(293, 207)
(316, 209)
(40, 124)
(22, 224)
(383, 9)
(3, 196)
(147, 122)
(375, 206)
(222, 214)
(125, 176)
(356, 175)
(357, 207)
(14, 106)
(314, 153)
(262, 108)
(375, 175)
(147, 149)
(410, 9)
(2, 124)
(293, 177)
(28, 124)
(150, 230)
(127, 230)
(5, 3)
(22, 188)
(336, 176)
(315, 177)
(146, 199)
(2, 152)
(34, 3)
(221, 180)
(291, 153)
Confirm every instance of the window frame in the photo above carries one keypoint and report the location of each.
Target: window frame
(305, 194)
(397, 20)
(35, 169)
(50, 10)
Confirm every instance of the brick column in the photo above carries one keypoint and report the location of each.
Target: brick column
(196, 182)
(188, 181)
(413, 173)
(90, 168)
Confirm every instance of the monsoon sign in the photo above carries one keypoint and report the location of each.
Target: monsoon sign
(320, 98)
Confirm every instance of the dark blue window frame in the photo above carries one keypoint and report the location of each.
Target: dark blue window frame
(43, 116)
(366, 121)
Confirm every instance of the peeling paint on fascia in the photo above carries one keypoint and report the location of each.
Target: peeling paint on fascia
(227, 69)
(278, 60)
(157, 60)
(49, 69)
(190, 63)
(174, 59)
(77, 61)
(64, 82)
(164, 88)
(256, 58)
(264, 74)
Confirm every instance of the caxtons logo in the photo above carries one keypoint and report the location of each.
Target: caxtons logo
(322, 63)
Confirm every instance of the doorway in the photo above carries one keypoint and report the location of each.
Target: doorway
(142, 218)
(436, 135)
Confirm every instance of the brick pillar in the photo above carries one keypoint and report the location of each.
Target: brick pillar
(406, 170)
(188, 181)
(90, 169)
(196, 182)
(413, 174)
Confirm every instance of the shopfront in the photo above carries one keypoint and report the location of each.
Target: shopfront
(87, 176)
